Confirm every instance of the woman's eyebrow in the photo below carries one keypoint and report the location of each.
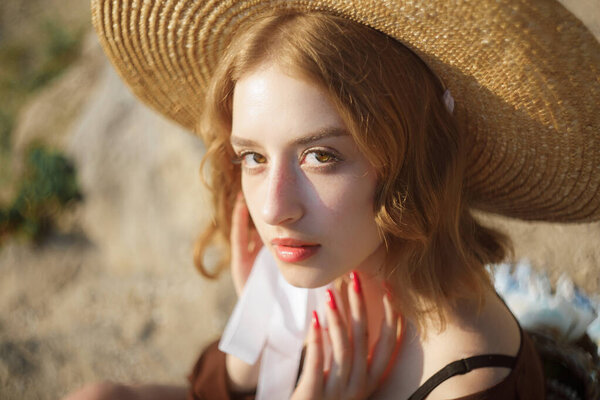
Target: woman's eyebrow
(321, 134)
(304, 140)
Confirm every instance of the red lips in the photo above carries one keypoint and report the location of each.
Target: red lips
(293, 250)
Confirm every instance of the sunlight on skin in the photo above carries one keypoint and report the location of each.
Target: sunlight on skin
(308, 188)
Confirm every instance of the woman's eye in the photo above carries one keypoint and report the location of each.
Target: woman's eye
(312, 158)
(251, 159)
(316, 157)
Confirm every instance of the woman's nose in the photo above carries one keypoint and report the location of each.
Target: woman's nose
(283, 203)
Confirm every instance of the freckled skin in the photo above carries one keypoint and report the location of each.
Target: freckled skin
(319, 192)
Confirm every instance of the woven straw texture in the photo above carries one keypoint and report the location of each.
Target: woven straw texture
(525, 76)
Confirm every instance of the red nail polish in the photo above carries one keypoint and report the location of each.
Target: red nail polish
(315, 320)
(355, 282)
(331, 300)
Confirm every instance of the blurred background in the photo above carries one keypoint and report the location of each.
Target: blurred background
(100, 202)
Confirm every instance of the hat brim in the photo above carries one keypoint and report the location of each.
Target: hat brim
(524, 75)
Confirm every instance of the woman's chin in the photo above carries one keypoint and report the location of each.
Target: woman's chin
(303, 276)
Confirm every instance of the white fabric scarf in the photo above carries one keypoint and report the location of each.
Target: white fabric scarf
(271, 319)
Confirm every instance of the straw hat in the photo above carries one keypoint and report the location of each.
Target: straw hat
(525, 76)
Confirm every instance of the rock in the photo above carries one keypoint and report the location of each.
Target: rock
(48, 116)
(139, 173)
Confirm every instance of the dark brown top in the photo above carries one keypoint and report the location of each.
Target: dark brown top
(209, 377)
(525, 382)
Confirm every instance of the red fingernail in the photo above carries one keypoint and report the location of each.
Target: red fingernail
(355, 282)
(331, 300)
(315, 321)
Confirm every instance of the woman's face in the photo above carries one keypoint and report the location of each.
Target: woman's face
(308, 188)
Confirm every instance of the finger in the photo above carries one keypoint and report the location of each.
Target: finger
(246, 237)
(239, 223)
(255, 243)
(358, 321)
(386, 347)
(341, 348)
(310, 385)
(239, 242)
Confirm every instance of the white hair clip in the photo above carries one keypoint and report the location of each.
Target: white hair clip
(448, 101)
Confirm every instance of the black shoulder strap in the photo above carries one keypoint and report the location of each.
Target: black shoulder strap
(462, 367)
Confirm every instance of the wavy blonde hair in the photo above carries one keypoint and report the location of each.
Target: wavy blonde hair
(392, 105)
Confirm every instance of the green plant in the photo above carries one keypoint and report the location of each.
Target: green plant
(48, 186)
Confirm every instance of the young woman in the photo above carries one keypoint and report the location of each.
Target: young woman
(334, 142)
(351, 162)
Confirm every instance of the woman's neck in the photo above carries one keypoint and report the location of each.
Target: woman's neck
(374, 289)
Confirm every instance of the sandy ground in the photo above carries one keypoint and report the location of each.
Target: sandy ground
(112, 294)
(66, 319)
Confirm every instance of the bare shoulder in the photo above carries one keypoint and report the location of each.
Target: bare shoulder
(473, 382)
(493, 331)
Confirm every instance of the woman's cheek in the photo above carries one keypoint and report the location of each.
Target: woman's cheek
(251, 191)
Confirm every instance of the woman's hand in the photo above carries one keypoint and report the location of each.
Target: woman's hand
(352, 374)
(245, 244)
